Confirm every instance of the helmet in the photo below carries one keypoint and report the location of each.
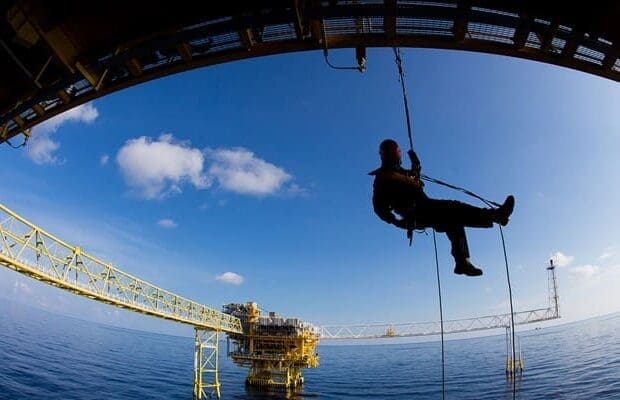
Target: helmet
(390, 152)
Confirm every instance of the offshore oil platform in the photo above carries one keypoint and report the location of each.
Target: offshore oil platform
(274, 348)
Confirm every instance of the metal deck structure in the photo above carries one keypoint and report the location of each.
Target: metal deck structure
(59, 54)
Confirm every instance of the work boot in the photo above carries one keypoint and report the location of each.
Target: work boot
(502, 213)
(465, 267)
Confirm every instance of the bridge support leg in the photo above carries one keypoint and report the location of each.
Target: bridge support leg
(206, 374)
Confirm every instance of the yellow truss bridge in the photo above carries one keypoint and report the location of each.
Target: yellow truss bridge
(31, 251)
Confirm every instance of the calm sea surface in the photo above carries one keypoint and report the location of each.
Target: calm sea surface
(46, 356)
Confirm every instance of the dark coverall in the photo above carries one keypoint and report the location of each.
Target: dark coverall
(397, 189)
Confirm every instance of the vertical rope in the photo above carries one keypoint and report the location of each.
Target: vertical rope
(401, 79)
(443, 375)
(512, 316)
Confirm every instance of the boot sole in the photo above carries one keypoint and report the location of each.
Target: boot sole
(459, 272)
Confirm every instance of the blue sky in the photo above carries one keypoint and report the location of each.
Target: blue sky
(247, 181)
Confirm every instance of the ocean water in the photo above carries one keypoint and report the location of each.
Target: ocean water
(46, 356)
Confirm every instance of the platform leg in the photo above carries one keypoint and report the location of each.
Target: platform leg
(206, 374)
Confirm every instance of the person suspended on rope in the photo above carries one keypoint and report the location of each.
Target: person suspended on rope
(398, 190)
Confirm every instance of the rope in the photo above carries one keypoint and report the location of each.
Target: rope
(401, 79)
(489, 203)
(325, 55)
(16, 147)
(443, 374)
(512, 315)
(460, 189)
(335, 66)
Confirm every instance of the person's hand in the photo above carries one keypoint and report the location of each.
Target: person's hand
(415, 161)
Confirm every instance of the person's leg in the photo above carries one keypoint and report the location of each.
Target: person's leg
(451, 217)
(460, 251)
(458, 240)
(451, 212)
(433, 212)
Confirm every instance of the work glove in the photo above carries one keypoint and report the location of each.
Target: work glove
(415, 161)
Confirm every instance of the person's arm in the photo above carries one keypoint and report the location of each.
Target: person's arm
(382, 207)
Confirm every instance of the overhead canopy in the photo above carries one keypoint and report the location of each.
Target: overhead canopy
(58, 54)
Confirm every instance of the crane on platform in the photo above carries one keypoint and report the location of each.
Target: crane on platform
(263, 343)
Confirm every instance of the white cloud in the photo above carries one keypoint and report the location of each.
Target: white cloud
(607, 253)
(585, 272)
(561, 260)
(86, 113)
(156, 168)
(41, 147)
(239, 170)
(167, 223)
(104, 159)
(230, 277)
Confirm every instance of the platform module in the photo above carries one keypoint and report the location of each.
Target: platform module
(273, 347)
